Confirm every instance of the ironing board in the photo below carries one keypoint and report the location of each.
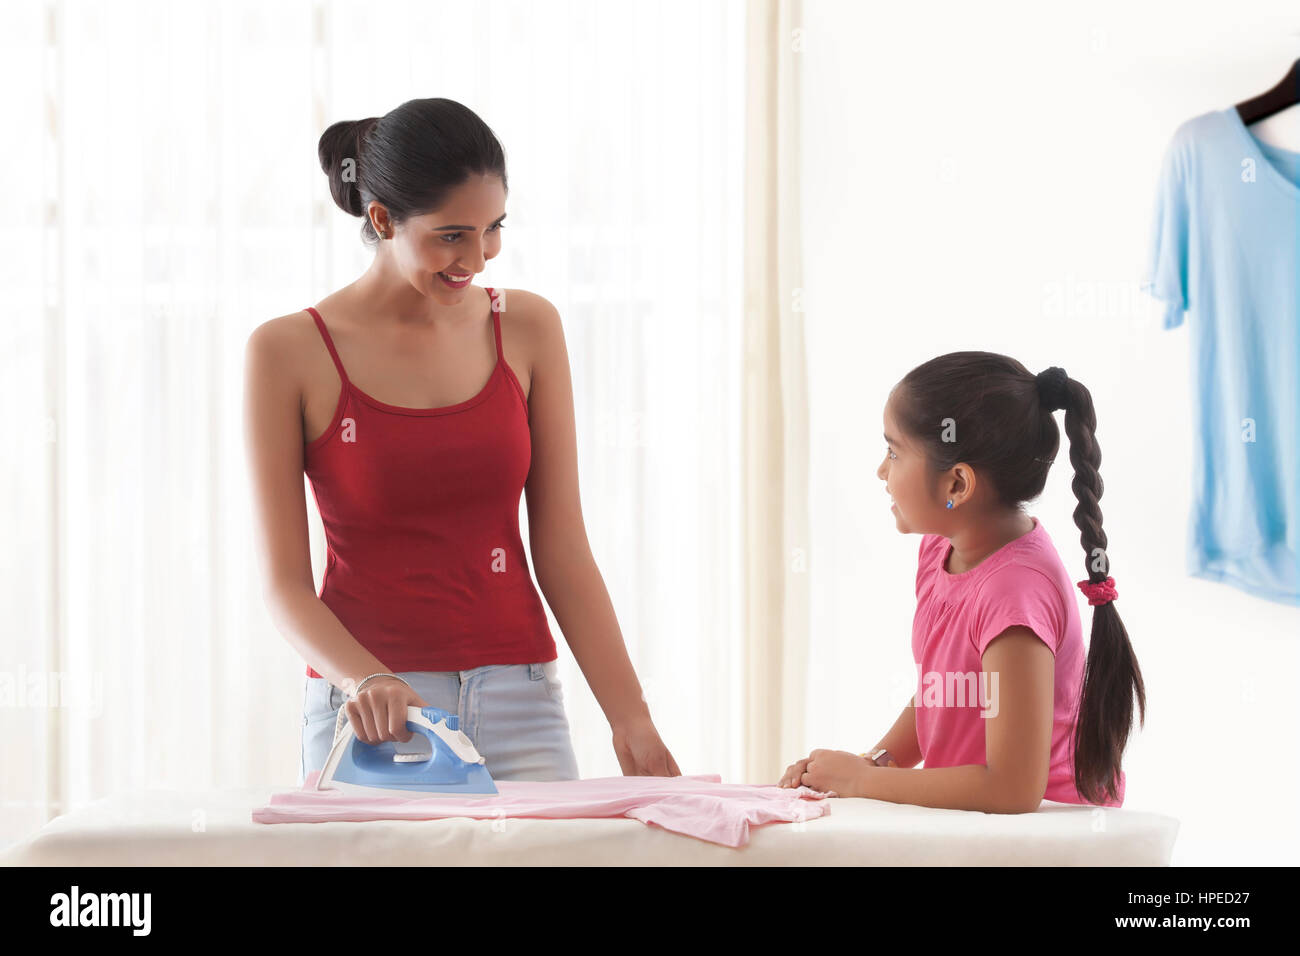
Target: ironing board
(215, 828)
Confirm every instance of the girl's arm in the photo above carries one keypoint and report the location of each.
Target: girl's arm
(1017, 740)
(901, 740)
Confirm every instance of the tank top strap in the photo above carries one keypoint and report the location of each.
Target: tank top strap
(329, 343)
(496, 321)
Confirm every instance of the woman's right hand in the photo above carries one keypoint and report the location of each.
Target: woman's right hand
(378, 713)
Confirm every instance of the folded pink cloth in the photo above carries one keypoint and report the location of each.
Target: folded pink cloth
(700, 805)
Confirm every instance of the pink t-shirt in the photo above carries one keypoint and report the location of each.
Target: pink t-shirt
(700, 805)
(958, 615)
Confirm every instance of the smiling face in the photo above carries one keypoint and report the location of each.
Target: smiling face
(919, 498)
(440, 252)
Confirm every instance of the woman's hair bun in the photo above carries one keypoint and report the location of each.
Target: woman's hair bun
(339, 151)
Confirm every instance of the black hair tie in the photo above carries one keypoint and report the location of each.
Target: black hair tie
(1052, 388)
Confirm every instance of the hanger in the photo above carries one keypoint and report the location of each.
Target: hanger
(1286, 93)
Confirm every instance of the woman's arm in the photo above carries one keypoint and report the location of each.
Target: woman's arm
(273, 439)
(1017, 740)
(557, 536)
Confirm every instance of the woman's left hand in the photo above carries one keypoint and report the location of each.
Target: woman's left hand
(641, 753)
(830, 771)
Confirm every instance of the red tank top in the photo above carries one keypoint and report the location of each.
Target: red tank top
(425, 565)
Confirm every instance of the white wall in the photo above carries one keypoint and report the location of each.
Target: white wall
(967, 172)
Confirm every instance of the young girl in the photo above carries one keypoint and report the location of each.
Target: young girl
(1005, 714)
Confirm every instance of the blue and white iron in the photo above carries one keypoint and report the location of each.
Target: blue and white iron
(452, 767)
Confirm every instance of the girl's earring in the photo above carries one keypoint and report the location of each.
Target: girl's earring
(950, 504)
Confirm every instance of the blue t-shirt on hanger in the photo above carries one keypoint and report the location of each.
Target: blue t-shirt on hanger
(1225, 251)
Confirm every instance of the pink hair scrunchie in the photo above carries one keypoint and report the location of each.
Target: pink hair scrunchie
(1101, 592)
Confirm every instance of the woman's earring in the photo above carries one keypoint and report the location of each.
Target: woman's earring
(950, 504)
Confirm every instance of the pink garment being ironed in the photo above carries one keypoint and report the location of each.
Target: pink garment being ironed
(700, 805)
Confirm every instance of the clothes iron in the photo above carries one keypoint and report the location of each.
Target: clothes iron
(452, 766)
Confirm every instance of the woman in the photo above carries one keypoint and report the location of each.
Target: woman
(420, 406)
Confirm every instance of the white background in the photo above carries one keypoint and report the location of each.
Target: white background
(982, 177)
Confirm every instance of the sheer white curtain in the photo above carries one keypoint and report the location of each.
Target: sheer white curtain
(775, 459)
(170, 201)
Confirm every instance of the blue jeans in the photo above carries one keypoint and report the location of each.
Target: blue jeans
(513, 713)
